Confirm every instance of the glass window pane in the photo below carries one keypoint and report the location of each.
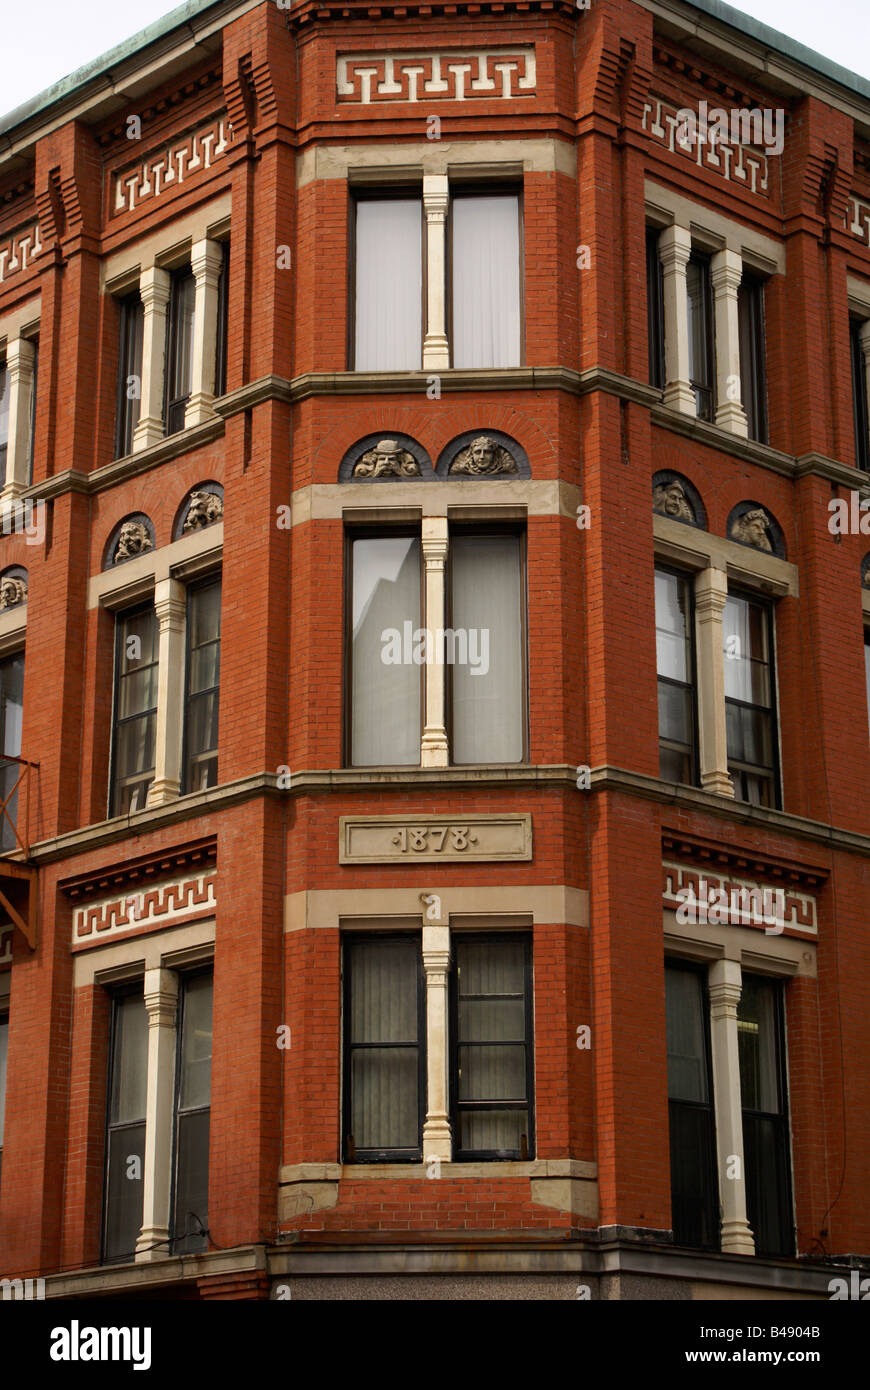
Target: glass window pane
(492, 1020)
(492, 1072)
(746, 651)
(124, 1191)
(486, 281)
(129, 1060)
(136, 742)
(487, 1130)
(182, 336)
(686, 1035)
(11, 704)
(672, 629)
(488, 670)
(675, 713)
(386, 693)
(383, 991)
(749, 735)
(757, 1037)
(205, 667)
(384, 1112)
(389, 285)
(4, 1052)
(491, 967)
(191, 1183)
(144, 629)
(699, 346)
(4, 405)
(196, 1031)
(202, 726)
(675, 765)
(205, 615)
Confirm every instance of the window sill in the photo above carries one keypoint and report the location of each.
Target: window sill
(413, 1172)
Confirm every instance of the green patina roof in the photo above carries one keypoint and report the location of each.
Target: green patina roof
(779, 43)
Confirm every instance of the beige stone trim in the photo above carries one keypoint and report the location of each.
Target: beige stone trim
(206, 259)
(711, 594)
(385, 163)
(20, 365)
(755, 569)
(128, 960)
(329, 501)
(726, 273)
(21, 321)
(675, 248)
(486, 837)
(13, 629)
(577, 1196)
(579, 1169)
(437, 1138)
(161, 1003)
(154, 292)
(785, 956)
(705, 225)
(434, 751)
(330, 908)
(436, 200)
(115, 587)
(724, 983)
(120, 271)
(170, 605)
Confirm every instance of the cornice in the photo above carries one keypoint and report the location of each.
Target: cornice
(714, 854)
(310, 12)
(194, 857)
(130, 466)
(774, 460)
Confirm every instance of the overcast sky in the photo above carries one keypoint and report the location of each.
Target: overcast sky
(44, 41)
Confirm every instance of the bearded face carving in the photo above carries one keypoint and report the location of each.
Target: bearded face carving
(205, 509)
(669, 499)
(753, 528)
(12, 591)
(386, 460)
(133, 540)
(483, 457)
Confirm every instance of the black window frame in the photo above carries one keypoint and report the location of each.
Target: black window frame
(4, 448)
(860, 403)
(131, 322)
(222, 339)
(710, 1208)
(397, 192)
(455, 1105)
(686, 579)
(655, 301)
(213, 579)
(349, 1150)
(705, 393)
(753, 354)
(199, 1241)
(174, 407)
(775, 777)
(117, 993)
(752, 1120)
(114, 783)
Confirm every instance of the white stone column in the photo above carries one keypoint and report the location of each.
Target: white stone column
(436, 963)
(154, 293)
(206, 258)
(675, 248)
(20, 361)
(436, 352)
(161, 1001)
(726, 272)
(434, 751)
(864, 337)
(170, 604)
(711, 593)
(725, 984)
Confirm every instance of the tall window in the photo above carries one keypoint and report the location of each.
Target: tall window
(220, 363)
(203, 686)
(179, 348)
(136, 657)
(655, 309)
(700, 297)
(753, 383)
(125, 1136)
(492, 1048)
(747, 628)
(694, 1184)
(867, 668)
(487, 674)
(129, 372)
(11, 719)
(765, 1116)
(31, 435)
(676, 677)
(389, 284)
(486, 251)
(4, 1053)
(192, 1114)
(859, 395)
(384, 1082)
(4, 420)
(385, 694)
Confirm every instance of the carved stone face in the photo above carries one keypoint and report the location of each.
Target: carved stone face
(205, 508)
(133, 540)
(669, 499)
(483, 456)
(12, 591)
(753, 529)
(387, 460)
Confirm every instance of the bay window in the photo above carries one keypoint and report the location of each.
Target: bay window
(747, 627)
(485, 246)
(675, 660)
(859, 345)
(385, 696)
(135, 722)
(203, 685)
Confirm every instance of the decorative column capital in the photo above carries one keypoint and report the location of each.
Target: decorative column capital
(864, 337)
(170, 603)
(434, 541)
(675, 247)
(436, 196)
(726, 271)
(711, 594)
(206, 259)
(161, 997)
(725, 986)
(154, 287)
(20, 361)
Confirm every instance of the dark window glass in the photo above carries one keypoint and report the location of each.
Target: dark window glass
(192, 1115)
(129, 373)
(388, 299)
(125, 1137)
(179, 348)
(4, 1052)
(492, 1048)
(655, 309)
(765, 1115)
(384, 1054)
(700, 299)
(694, 1186)
(385, 680)
(485, 254)
(859, 395)
(753, 383)
(220, 364)
(676, 677)
(203, 686)
(747, 628)
(11, 718)
(486, 666)
(4, 420)
(136, 655)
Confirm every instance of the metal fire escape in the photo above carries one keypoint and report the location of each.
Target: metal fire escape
(18, 886)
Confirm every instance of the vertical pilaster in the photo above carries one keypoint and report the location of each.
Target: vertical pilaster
(434, 750)
(726, 272)
(154, 293)
(161, 1002)
(436, 352)
(436, 963)
(170, 606)
(675, 248)
(20, 362)
(725, 985)
(206, 258)
(711, 593)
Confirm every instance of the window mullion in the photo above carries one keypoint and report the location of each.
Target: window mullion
(436, 352)
(170, 606)
(434, 750)
(437, 1140)
(161, 1002)
(711, 594)
(726, 271)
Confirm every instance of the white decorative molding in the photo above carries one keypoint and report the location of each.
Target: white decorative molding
(18, 249)
(183, 157)
(732, 161)
(434, 839)
(858, 218)
(488, 74)
(162, 904)
(737, 902)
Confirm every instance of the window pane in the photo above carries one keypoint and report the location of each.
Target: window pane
(492, 1020)
(11, 704)
(488, 684)
(746, 647)
(202, 725)
(486, 281)
(492, 1073)
(675, 764)
(655, 310)
(124, 1191)
(195, 1063)
(757, 1041)
(672, 626)
(191, 1183)
(143, 627)
(383, 992)
(492, 1047)
(182, 336)
(749, 735)
(389, 285)
(686, 1034)
(385, 1114)
(386, 695)
(675, 713)
(129, 1060)
(699, 345)
(750, 314)
(382, 1028)
(859, 395)
(487, 1130)
(4, 1052)
(4, 420)
(129, 367)
(491, 967)
(136, 742)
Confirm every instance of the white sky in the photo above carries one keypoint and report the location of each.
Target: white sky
(44, 41)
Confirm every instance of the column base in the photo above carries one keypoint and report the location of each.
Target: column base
(437, 1139)
(434, 751)
(718, 782)
(200, 408)
(730, 417)
(678, 395)
(162, 792)
(436, 354)
(153, 1244)
(737, 1238)
(148, 431)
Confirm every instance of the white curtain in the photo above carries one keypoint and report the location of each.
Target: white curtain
(487, 605)
(386, 696)
(383, 1009)
(486, 281)
(686, 1036)
(389, 285)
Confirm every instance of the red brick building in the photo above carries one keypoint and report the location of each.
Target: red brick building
(436, 846)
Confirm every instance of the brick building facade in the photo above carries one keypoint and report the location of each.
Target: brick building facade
(340, 956)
